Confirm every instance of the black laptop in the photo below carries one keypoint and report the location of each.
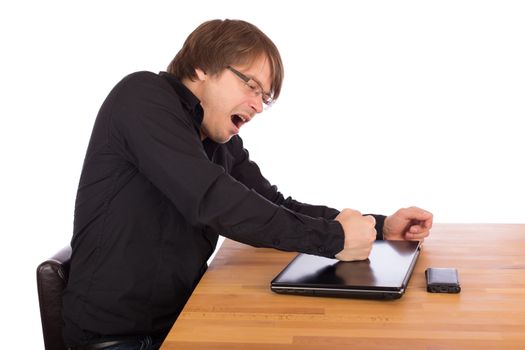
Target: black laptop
(384, 275)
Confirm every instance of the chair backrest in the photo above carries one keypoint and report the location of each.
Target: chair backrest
(51, 277)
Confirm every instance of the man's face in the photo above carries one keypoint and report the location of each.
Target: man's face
(228, 102)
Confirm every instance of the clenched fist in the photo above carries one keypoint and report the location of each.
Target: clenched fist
(360, 233)
(412, 224)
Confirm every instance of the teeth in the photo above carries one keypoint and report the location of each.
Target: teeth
(243, 119)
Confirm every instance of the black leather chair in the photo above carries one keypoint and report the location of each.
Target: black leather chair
(51, 277)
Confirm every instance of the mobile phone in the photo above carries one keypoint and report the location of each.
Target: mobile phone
(442, 280)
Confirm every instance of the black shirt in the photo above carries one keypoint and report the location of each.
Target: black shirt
(151, 202)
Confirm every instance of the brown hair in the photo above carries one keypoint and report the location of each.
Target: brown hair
(217, 44)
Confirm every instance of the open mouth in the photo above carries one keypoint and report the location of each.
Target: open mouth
(238, 120)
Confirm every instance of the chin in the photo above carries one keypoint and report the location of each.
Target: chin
(222, 139)
(225, 140)
(216, 138)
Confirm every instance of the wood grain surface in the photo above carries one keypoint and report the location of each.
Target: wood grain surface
(234, 308)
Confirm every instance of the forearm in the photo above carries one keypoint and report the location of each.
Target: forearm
(321, 211)
(315, 211)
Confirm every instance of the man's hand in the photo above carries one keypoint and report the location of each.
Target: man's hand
(360, 233)
(411, 224)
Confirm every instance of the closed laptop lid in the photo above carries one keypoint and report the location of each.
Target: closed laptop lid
(388, 268)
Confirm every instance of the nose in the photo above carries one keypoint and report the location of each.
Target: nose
(257, 104)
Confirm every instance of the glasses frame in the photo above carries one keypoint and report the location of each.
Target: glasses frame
(267, 99)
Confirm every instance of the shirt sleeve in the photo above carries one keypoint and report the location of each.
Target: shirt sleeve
(150, 129)
(249, 173)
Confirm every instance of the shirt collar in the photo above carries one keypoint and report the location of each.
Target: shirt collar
(189, 101)
(193, 105)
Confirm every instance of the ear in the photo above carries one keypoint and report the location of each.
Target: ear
(201, 75)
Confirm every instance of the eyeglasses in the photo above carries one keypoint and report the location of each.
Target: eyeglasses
(254, 86)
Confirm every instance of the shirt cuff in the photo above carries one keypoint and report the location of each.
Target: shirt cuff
(380, 222)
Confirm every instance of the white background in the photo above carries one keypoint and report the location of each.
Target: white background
(385, 104)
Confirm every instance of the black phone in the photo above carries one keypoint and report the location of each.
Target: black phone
(442, 280)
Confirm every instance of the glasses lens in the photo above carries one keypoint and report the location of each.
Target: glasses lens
(267, 99)
(254, 86)
(258, 90)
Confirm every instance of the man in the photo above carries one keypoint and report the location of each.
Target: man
(165, 173)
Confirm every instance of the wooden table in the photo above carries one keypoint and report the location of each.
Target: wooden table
(233, 307)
